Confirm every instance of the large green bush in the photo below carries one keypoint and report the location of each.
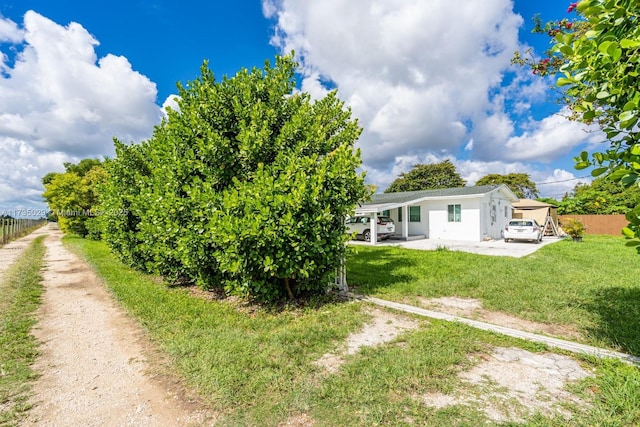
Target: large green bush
(245, 186)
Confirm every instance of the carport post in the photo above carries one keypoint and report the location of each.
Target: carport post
(405, 222)
(374, 228)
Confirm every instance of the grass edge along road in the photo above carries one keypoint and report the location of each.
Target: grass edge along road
(20, 296)
(255, 365)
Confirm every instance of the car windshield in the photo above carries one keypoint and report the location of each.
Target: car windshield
(521, 223)
(385, 219)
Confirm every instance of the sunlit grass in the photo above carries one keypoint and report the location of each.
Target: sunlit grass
(591, 286)
(20, 292)
(256, 367)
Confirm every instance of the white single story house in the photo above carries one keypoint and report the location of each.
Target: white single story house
(464, 213)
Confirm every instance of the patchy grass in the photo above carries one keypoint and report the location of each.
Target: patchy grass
(20, 292)
(257, 367)
(591, 286)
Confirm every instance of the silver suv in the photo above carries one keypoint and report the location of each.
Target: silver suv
(361, 225)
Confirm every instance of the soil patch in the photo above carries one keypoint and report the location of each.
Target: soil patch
(513, 383)
(473, 309)
(384, 327)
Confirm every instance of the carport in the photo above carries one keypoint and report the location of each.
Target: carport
(372, 211)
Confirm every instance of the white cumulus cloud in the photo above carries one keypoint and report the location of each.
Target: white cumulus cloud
(426, 79)
(60, 102)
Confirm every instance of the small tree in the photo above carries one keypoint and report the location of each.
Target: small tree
(427, 177)
(519, 183)
(73, 198)
(245, 186)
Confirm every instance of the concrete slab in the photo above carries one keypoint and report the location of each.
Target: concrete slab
(490, 247)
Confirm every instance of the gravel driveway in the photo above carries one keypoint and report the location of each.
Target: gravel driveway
(94, 362)
(491, 247)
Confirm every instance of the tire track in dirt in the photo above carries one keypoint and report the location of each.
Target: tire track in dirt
(93, 363)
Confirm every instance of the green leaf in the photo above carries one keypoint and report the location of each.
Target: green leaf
(598, 157)
(631, 105)
(635, 149)
(584, 156)
(603, 47)
(615, 53)
(602, 94)
(618, 174)
(598, 171)
(582, 165)
(628, 43)
(626, 116)
(626, 231)
(563, 81)
(566, 50)
(629, 179)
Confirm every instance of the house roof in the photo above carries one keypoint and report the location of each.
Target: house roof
(383, 201)
(529, 203)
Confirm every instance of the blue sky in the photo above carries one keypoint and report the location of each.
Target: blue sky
(428, 80)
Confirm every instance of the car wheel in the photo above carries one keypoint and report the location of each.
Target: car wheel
(367, 235)
(506, 240)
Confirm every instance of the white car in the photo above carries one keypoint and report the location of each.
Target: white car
(361, 225)
(523, 229)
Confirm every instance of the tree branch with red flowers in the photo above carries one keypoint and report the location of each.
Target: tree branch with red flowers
(595, 58)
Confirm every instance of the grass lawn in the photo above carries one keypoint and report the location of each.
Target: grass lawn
(257, 367)
(20, 292)
(591, 286)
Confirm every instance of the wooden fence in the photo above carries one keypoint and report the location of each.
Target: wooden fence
(11, 229)
(599, 224)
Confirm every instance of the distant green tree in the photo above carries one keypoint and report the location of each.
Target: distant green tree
(427, 177)
(602, 196)
(72, 196)
(548, 200)
(519, 183)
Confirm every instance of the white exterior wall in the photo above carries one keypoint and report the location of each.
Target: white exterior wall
(415, 228)
(482, 217)
(467, 229)
(502, 216)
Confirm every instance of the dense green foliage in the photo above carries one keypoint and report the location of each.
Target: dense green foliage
(519, 183)
(597, 58)
(20, 292)
(602, 196)
(72, 196)
(427, 177)
(245, 186)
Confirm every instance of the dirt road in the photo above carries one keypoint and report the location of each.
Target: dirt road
(94, 366)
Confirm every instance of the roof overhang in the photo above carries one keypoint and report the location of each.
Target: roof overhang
(377, 207)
